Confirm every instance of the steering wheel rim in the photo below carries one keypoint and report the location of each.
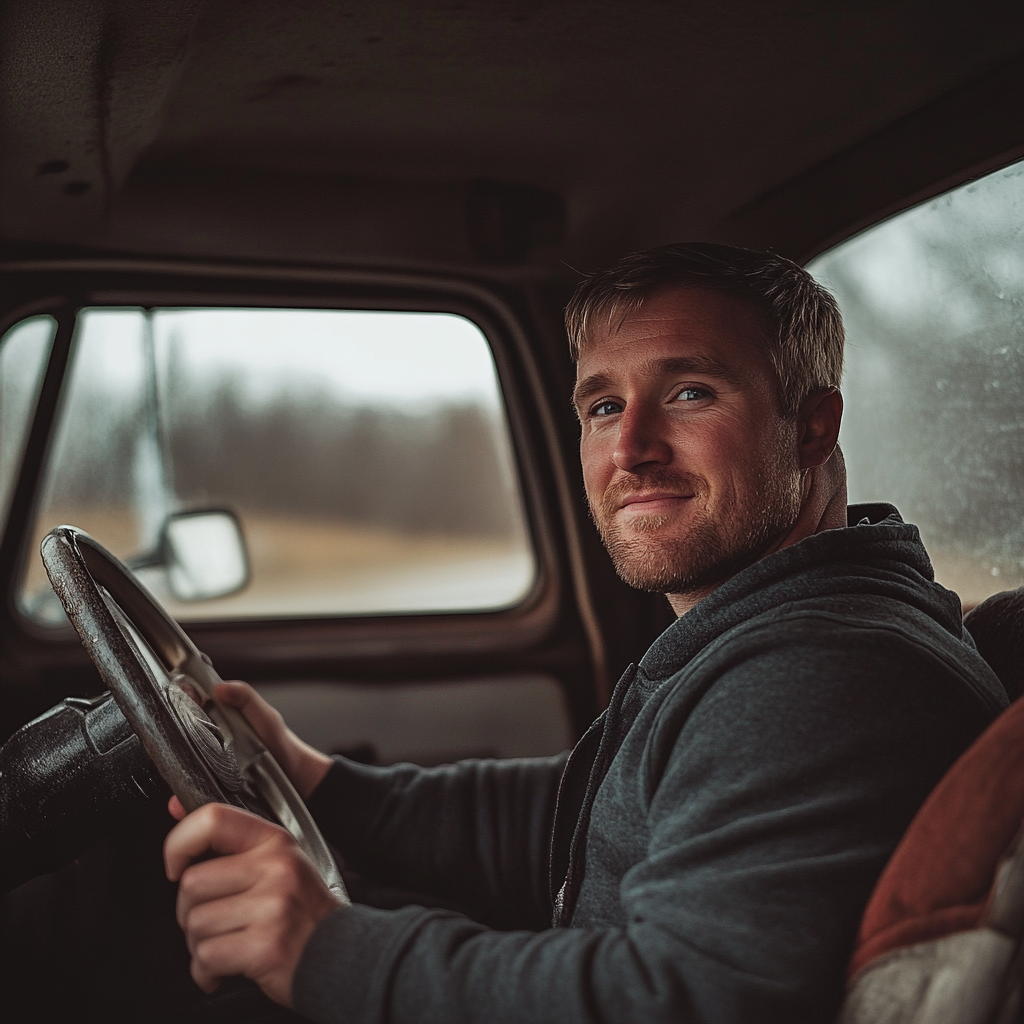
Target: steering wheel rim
(206, 752)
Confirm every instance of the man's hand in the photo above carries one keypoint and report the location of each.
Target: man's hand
(304, 765)
(251, 911)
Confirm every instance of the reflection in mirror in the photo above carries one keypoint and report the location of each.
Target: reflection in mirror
(205, 554)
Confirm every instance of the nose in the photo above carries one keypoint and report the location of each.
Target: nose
(642, 440)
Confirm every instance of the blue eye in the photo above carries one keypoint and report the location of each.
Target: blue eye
(606, 409)
(692, 395)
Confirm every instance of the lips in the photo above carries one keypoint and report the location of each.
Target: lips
(646, 502)
(658, 493)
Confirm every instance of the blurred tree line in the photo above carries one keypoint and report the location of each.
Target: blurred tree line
(438, 471)
(303, 452)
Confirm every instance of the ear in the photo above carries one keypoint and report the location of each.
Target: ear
(817, 424)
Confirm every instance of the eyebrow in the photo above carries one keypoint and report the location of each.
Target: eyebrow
(702, 366)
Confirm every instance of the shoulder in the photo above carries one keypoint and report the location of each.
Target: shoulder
(838, 641)
(811, 683)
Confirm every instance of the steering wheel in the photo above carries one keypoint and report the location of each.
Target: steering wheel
(205, 751)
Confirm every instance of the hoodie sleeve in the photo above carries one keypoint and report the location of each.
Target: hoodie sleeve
(476, 833)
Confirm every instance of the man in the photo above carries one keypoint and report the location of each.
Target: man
(718, 830)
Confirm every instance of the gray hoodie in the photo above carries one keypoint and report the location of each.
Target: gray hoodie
(718, 829)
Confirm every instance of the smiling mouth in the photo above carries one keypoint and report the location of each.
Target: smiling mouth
(641, 503)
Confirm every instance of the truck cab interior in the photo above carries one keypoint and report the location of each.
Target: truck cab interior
(300, 270)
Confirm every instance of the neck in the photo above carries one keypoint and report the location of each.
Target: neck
(822, 507)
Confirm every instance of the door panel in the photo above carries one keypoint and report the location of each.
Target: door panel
(429, 722)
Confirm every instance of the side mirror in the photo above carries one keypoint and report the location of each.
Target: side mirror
(204, 555)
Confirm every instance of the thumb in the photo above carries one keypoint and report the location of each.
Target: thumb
(176, 808)
(264, 718)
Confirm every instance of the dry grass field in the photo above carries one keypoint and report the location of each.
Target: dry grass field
(323, 567)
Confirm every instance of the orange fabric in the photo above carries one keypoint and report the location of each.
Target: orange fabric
(939, 877)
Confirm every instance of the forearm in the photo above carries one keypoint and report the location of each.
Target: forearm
(415, 966)
(477, 833)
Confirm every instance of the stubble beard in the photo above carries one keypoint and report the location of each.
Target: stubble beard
(649, 555)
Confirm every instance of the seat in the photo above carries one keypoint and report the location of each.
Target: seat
(940, 940)
(997, 626)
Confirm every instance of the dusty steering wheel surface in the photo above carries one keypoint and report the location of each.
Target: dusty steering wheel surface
(163, 684)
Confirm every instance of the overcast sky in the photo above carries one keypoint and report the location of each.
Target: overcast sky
(410, 360)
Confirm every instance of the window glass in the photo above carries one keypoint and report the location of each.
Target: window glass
(933, 301)
(24, 350)
(365, 454)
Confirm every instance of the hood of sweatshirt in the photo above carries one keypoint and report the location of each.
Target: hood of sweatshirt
(878, 554)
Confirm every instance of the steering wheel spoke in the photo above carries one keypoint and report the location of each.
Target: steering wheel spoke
(164, 686)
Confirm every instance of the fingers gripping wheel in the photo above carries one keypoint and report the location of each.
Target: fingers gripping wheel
(204, 750)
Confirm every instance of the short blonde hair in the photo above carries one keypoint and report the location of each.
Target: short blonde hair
(805, 334)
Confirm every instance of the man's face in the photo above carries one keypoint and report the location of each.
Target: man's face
(690, 469)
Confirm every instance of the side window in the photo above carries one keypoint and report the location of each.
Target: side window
(366, 456)
(24, 350)
(933, 301)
